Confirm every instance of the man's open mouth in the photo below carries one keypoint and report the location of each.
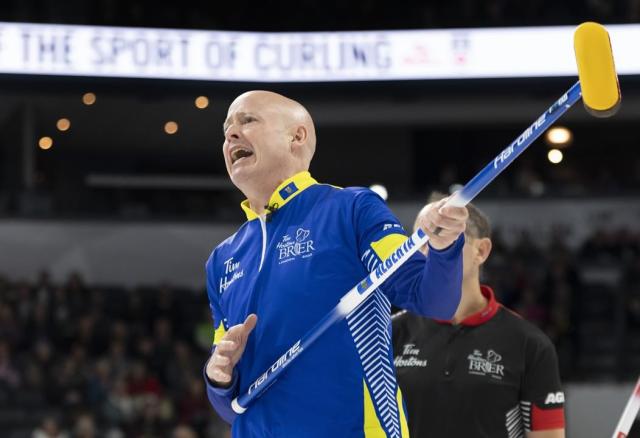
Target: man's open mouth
(240, 153)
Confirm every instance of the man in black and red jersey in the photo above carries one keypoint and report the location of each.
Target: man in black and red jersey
(487, 372)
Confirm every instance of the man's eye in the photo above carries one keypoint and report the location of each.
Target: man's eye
(249, 119)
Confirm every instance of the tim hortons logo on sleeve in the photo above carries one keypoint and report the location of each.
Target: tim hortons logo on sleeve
(232, 272)
(290, 248)
(409, 357)
(483, 366)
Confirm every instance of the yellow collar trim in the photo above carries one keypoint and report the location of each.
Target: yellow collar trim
(286, 191)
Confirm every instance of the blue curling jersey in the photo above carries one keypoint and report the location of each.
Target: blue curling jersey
(291, 269)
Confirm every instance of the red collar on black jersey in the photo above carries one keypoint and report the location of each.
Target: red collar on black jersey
(483, 315)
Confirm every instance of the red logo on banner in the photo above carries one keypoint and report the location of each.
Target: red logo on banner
(419, 55)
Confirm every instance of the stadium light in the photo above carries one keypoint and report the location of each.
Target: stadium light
(171, 127)
(45, 143)
(555, 156)
(202, 102)
(63, 124)
(559, 136)
(88, 98)
(380, 190)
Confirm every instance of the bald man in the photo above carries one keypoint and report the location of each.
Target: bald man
(303, 246)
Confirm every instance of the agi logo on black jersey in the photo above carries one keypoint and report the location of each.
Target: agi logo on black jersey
(554, 398)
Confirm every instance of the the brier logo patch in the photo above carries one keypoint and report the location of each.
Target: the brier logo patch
(290, 248)
(489, 365)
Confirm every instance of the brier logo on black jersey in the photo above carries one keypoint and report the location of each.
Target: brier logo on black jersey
(488, 365)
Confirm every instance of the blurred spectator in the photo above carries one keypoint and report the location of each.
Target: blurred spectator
(183, 431)
(117, 357)
(526, 249)
(178, 370)
(203, 334)
(70, 382)
(529, 307)
(631, 284)
(9, 375)
(119, 409)
(163, 348)
(49, 428)
(141, 383)
(43, 288)
(39, 324)
(560, 289)
(153, 418)
(85, 427)
(9, 330)
(98, 383)
(194, 408)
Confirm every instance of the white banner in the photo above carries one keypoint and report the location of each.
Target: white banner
(300, 57)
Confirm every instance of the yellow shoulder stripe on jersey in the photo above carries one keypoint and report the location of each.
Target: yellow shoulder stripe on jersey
(388, 244)
(219, 333)
(372, 426)
(404, 427)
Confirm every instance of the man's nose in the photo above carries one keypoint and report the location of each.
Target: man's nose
(232, 132)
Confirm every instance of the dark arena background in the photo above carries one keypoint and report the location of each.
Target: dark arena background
(113, 187)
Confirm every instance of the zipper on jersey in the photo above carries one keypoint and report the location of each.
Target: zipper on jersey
(263, 226)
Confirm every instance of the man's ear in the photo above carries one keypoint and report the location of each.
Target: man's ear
(299, 137)
(484, 246)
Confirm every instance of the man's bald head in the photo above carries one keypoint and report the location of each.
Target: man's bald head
(292, 113)
(268, 138)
